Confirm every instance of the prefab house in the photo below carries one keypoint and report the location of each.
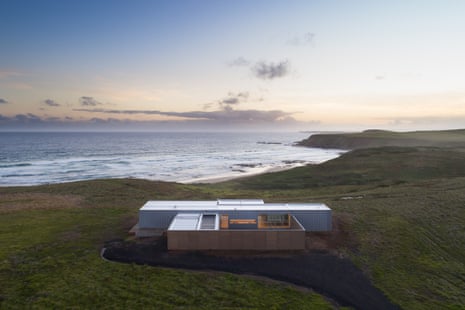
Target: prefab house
(233, 224)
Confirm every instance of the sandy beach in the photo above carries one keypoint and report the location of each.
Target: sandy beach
(219, 179)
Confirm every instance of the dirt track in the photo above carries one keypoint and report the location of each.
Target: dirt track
(325, 273)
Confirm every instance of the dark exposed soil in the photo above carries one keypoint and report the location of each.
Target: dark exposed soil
(320, 268)
(325, 273)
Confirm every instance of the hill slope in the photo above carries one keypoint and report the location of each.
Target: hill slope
(404, 209)
(381, 138)
(373, 167)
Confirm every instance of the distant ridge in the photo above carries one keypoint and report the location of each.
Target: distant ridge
(380, 138)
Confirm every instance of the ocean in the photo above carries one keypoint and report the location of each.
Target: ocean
(186, 157)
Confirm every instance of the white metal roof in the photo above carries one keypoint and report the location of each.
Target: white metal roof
(214, 205)
(240, 201)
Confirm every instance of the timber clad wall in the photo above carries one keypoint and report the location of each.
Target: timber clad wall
(232, 239)
(236, 240)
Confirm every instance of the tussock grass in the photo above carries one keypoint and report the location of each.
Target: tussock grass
(403, 208)
(411, 241)
(50, 245)
(365, 167)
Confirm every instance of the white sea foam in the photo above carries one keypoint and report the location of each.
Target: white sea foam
(41, 158)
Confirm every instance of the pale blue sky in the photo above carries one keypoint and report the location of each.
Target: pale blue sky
(229, 65)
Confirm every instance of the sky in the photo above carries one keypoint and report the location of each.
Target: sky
(232, 65)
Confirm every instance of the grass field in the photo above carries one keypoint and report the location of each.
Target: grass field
(404, 208)
(51, 236)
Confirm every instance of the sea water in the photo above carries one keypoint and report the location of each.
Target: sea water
(43, 158)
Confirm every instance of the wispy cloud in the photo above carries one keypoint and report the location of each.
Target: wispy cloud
(29, 120)
(452, 121)
(226, 119)
(20, 119)
(239, 62)
(262, 69)
(3, 101)
(89, 101)
(234, 98)
(231, 99)
(32, 121)
(307, 39)
(51, 103)
(270, 70)
(227, 114)
(28, 117)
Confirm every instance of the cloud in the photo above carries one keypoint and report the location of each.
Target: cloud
(51, 103)
(239, 62)
(226, 114)
(29, 121)
(226, 119)
(20, 119)
(27, 117)
(301, 40)
(262, 69)
(89, 101)
(234, 98)
(270, 71)
(3, 101)
(425, 122)
(231, 99)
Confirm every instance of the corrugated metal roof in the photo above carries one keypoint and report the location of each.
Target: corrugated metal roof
(214, 206)
(240, 202)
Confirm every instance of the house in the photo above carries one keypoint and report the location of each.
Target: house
(233, 224)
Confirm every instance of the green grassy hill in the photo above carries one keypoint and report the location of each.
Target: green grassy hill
(381, 138)
(403, 209)
(371, 167)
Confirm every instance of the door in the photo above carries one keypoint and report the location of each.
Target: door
(224, 222)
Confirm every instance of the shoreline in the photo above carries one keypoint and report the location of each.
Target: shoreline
(204, 180)
(213, 179)
(225, 178)
(182, 159)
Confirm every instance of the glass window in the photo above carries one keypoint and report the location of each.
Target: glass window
(274, 221)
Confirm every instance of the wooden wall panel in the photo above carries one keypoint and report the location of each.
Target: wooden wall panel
(237, 240)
